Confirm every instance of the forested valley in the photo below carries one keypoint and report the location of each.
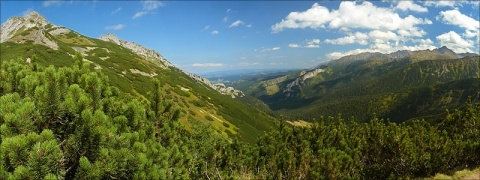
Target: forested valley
(70, 123)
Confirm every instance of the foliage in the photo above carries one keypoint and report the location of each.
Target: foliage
(70, 123)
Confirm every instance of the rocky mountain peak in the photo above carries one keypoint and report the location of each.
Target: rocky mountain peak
(31, 27)
(444, 50)
(36, 17)
(110, 37)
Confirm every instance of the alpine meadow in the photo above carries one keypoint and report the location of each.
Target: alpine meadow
(303, 90)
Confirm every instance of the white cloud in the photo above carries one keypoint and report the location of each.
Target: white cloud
(455, 17)
(270, 49)
(215, 32)
(409, 5)
(148, 7)
(117, 10)
(358, 37)
(314, 43)
(115, 27)
(293, 45)
(151, 5)
(228, 10)
(440, 3)
(383, 35)
(49, 3)
(386, 47)
(225, 19)
(314, 18)
(452, 40)
(236, 23)
(249, 25)
(208, 65)
(349, 15)
(139, 14)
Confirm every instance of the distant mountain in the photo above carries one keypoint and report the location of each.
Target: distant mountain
(348, 83)
(130, 67)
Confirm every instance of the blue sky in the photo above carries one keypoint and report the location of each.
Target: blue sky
(204, 36)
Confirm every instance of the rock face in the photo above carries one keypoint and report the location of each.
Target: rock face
(303, 77)
(220, 87)
(155, 56)
(32, 27)
(138, 49)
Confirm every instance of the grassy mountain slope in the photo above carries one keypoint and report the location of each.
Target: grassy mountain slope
(132, 73)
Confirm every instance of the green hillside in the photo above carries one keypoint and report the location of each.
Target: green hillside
(400, 89)
(132, 73)
(70, 123)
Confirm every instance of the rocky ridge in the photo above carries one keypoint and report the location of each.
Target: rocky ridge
(138, 49)
(155, 56)
(220, 87)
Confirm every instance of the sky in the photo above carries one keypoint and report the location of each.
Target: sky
(207, 36)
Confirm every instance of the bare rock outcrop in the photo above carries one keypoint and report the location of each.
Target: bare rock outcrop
(137, 49)
(31, 27)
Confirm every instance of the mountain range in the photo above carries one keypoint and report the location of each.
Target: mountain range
(401, 85)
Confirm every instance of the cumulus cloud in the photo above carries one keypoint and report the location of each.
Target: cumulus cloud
(293, 45)
(410, 6)
(208, 65)
(452, 40)
(215, 32)
(358, 37)
(314, 43)
(236, 23)
(440, 3)
(115, 27)
(148, 7)
(455, 17)
(49, 3)
(349, 15)
(314, 18)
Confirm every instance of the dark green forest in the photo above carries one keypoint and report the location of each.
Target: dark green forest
(70, 123)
